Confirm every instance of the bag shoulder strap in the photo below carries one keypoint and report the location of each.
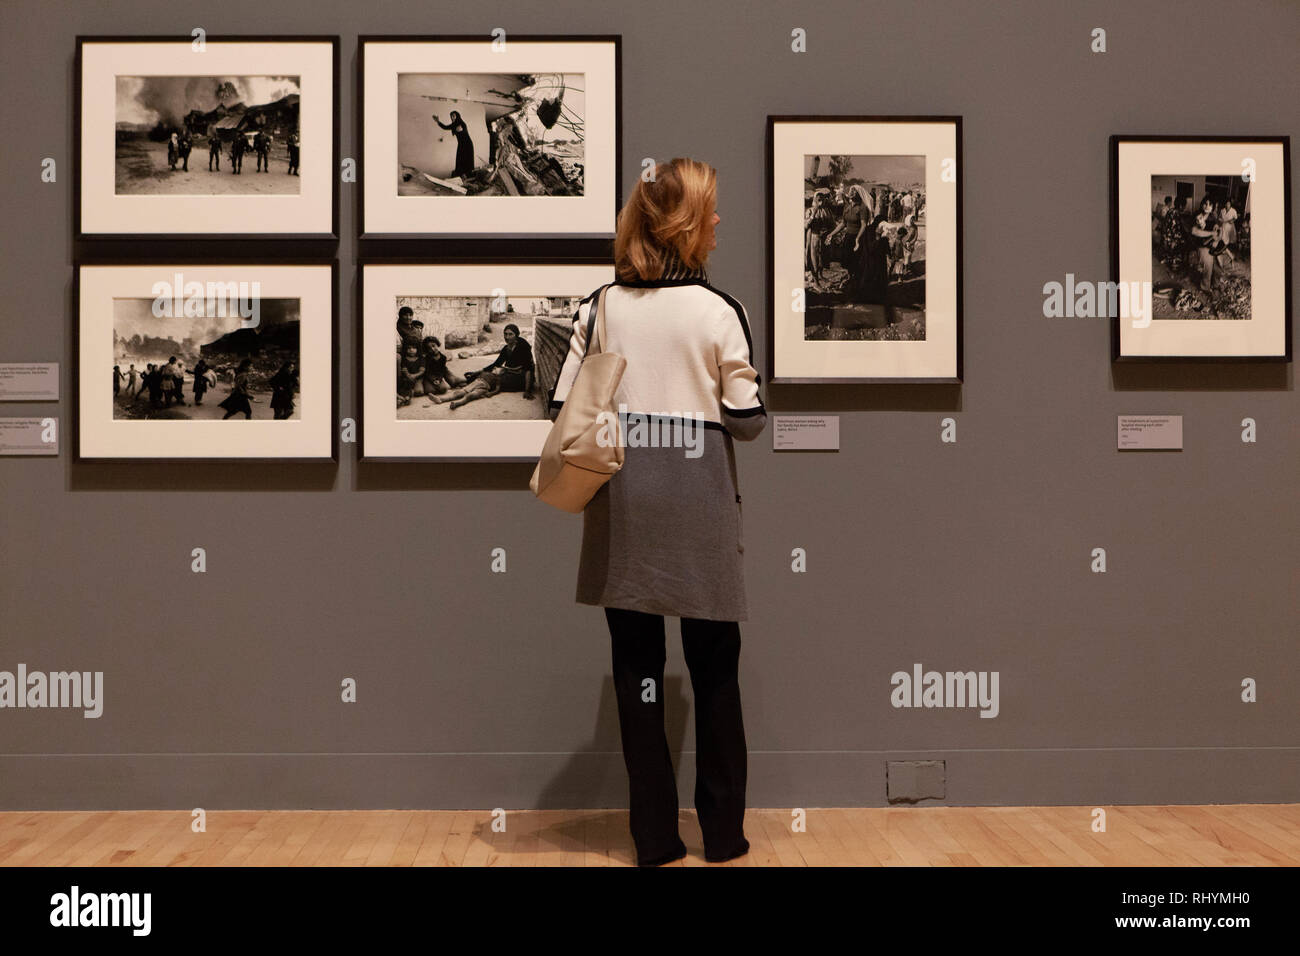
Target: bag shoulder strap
(596, 321)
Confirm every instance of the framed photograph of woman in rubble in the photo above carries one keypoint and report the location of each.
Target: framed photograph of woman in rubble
(213, 138)
(864, 249)
(458, 361)
(1200, 248)
(207, 361)
(483, 137)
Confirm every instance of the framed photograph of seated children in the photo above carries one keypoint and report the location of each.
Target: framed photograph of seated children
(459, 361)
(864, 249)
(1201, 248)
(208, 361)
(221, 137)
(489, 137)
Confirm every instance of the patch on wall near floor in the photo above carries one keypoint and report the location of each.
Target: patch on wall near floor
(910, 781)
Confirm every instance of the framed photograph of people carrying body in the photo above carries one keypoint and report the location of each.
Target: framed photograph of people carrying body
(458, 361)
(213, 138)
(1201, 242)
(864, 249)
(208, 361)
(483, 137)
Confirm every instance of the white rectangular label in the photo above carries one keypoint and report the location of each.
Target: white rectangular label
(28, 436)
(29, 381)
(1150, 432)
(806, 433)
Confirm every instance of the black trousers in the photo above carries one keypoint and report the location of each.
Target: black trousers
(712, 651)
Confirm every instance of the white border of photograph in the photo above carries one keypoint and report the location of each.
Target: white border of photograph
(796, 358)
(100, 435)
(383, 434)
(1264, 333)
(590, 215)
(104, 212)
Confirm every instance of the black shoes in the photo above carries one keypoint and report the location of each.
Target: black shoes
(680, 853)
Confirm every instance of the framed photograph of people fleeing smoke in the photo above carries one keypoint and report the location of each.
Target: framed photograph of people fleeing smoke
(210, 137)
(208, 361)
(1201, 240)
(459, 361)
(864, 249)
(488, 137)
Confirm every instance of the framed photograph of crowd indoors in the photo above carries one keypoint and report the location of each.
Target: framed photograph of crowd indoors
(221, 137)
(483, 137)
(458, 361)
(1201, 242)
(864, 249)
(207, 361)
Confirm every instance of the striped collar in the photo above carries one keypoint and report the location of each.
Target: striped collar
(675, 273)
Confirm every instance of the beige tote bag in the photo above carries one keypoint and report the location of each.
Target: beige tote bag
(585, 446)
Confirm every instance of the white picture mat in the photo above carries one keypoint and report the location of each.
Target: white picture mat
(793, 356)
(383, 435)
(103, 211)
(100, 435)
(1264, 333)
(591, 214)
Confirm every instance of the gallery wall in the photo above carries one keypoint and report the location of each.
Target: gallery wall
(482, 689)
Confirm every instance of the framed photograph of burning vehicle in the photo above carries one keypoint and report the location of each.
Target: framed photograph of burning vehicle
(459, 361)
(479, 137)
(208, 361)
(1201, 231)
(864, 249)
(224, 137)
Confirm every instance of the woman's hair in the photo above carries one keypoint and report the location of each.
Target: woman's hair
(511, 328)
(666, 216)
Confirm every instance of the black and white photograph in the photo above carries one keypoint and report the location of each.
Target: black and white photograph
(864, 249)
(1200, 247)
(459, 361)
(1200, 235)
(227, 138)
(207, 135)
(464, 137)
(215, 366)
(206, 361)
(864, 234)
(490, 134)
(476, 357)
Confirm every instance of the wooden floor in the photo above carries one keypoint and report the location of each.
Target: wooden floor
(1235, 835)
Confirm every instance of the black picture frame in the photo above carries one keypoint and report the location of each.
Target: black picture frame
(770, 365)
(552, 257)
(335, 328)
(495, 247)
(1115, 141)
(150, 245)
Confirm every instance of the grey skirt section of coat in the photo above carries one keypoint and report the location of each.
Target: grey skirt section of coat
(663, 535)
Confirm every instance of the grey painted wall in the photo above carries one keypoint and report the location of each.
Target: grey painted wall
(486, 690)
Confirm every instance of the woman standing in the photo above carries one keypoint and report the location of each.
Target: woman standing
(283, 384)
(200, 372)
(817, 223)
(464, 145)
(663, 536)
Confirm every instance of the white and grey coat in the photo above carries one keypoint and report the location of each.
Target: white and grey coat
(664, 535)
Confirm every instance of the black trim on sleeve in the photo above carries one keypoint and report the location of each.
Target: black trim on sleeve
(744, 412)
(744, 324)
